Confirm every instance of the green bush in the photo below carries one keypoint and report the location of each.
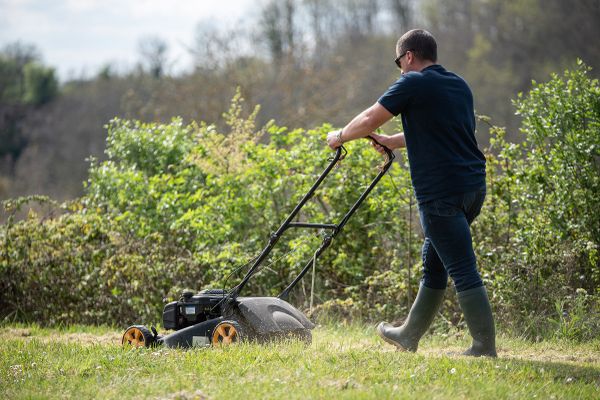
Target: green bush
(539, 234)
(178, 206)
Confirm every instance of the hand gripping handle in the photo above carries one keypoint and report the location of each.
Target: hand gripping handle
(389, 154)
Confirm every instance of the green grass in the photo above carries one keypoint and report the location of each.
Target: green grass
(342, 362)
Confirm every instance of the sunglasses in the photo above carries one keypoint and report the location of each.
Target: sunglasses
(397, 60)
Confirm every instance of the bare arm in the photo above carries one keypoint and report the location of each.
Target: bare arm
(361, 126)
(366, 122)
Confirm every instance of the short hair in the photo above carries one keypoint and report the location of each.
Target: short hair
(420, 42)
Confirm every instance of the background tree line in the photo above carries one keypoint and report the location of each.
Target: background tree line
(304, 61)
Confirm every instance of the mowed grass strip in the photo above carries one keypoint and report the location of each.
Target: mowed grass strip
(343, 362)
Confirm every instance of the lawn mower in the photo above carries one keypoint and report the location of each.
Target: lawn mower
(222, 317)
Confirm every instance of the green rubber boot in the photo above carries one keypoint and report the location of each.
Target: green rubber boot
(475, 306)
(422, 312)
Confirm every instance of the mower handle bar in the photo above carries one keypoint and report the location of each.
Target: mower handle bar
(335, 228)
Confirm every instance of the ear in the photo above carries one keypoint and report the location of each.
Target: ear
(410, 57)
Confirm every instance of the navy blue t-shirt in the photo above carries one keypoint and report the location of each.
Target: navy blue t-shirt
(439, 128)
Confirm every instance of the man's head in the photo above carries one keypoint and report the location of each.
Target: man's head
(415, 50)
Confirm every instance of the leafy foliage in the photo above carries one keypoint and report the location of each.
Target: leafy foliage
(540, 233)
(178, 206)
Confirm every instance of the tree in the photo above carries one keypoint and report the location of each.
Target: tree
(23, 81)
(402, 13)
(41, 84)
(277, 26)
(153, 51)
(13, 59)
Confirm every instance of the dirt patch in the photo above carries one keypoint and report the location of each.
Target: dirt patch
(12, 333)
(60, 337)
(551, 355)
(361, 344)
(547, 354)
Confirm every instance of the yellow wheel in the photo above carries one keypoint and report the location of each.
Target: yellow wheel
(226, 333)
(137, 336)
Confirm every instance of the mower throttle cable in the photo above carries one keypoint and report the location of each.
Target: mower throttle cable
(297, 248)
(237, 269)
(312, 284)
(233, 272)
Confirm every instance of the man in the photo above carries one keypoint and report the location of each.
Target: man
(448, 176)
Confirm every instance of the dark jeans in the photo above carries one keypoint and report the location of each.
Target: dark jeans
(448, 248)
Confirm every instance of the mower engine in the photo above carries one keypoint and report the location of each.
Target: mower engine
(191, 309)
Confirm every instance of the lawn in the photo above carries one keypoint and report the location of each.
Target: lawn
(342, 362)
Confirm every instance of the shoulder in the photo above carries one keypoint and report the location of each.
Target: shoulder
(410, 78)
(406, 83)
(437, 76)
(399, 94)
(438, 72)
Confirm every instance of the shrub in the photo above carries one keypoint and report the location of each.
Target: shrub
(540, 233)
(178, 206)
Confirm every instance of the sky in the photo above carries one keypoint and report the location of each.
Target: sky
(78, 37)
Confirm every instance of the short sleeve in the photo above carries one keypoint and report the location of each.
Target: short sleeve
(397, 97)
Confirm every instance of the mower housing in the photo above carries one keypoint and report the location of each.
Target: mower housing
(260, 319)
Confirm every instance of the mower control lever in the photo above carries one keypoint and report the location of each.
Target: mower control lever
(388, 152)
